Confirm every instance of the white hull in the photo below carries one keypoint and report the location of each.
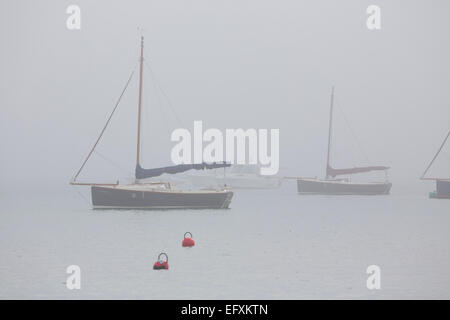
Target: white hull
(235, 182)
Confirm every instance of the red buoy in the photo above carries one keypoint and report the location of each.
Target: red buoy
(161, 264)
(188, 241)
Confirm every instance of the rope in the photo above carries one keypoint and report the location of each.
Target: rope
(105, 126)
(81, 195)
(358, 144)
(164, 94)
(147, 125)
(128, 173)
(161, 96)
(154, 82)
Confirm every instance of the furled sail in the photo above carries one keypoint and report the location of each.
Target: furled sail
(142, 173)
(331, 172)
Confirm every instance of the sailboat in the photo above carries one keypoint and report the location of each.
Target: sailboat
(331, 185)
(237, 177)
(442, 184)
(152, 195)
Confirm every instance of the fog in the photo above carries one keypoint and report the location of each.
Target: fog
(231, 64)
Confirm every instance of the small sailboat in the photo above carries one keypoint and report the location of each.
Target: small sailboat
(152, 195)
(331, 185)
(237, 177)
(442, 184)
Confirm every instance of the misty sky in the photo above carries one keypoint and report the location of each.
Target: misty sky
(231, 64)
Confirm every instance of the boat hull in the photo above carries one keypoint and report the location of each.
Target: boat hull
(442, 189)
(313, 186)
(126, 198)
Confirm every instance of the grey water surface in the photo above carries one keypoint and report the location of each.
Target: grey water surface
(271, 244)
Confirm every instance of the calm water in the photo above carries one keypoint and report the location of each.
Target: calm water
(271, 244)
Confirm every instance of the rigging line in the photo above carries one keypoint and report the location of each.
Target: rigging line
(158, 96)
(146, 111)
(81, 195)
(113, 163)
(447, 157)
(158, 92)
(352, 132)
(436, 155)
(106, 124)
(145, 127)
(165, 95)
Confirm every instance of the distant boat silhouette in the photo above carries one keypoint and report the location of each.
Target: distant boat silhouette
(237, 177)
(330, 185)
(155, 195)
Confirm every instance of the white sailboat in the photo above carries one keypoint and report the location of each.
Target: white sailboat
(236, 177)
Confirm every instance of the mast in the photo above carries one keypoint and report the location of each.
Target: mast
(330, 127)
(141, 60)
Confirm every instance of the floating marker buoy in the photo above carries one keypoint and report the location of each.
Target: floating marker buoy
(188, 241)
(161, 264)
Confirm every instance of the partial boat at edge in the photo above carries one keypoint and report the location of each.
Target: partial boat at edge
(442, 184)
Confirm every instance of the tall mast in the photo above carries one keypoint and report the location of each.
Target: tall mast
(330, 127)
(138, 148)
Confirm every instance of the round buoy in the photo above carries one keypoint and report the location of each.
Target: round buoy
(188, 241)
(161, 264)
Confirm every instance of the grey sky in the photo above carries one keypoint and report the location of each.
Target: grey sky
(249, 64)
